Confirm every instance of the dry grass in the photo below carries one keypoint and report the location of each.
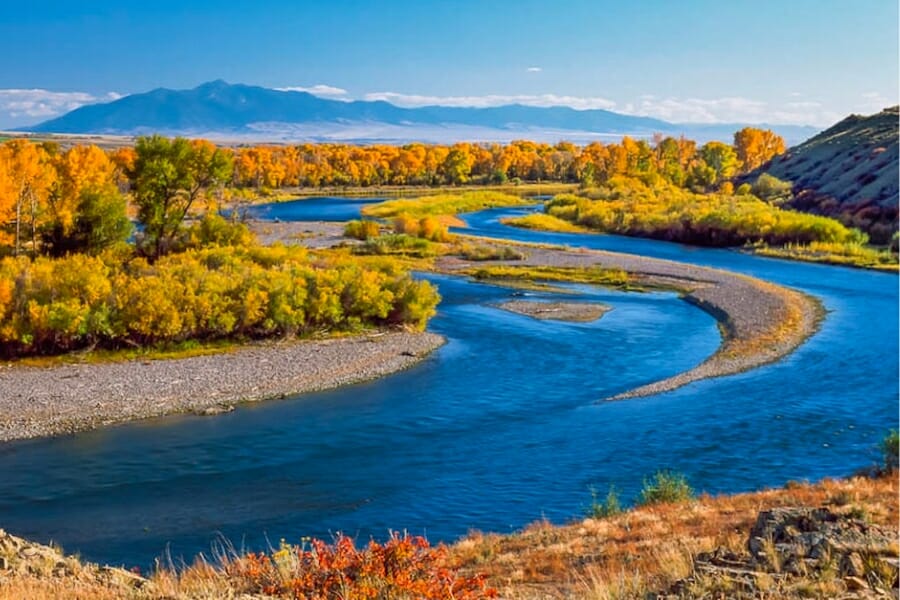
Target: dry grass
(628, 555)
(650, 548)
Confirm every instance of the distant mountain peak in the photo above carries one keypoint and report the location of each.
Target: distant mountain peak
(219, 109)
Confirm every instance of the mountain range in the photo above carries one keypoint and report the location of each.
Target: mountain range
(219, 110)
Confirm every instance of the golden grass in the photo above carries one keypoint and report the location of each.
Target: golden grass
(401, 191)
(848, 255)
(544, 222)
(592, 275)
(646, 549)
(442, 205)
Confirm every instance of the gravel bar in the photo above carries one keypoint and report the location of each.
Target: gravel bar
(761, 322)
(41, 401)
(575, 312)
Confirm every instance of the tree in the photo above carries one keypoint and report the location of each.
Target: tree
(168, 177)
(28, 181)
(755, 147)
(721, 158)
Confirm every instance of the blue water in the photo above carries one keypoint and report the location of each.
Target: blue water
(497, 429)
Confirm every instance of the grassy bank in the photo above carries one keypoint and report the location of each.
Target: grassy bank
(443, 205)
(845, 255)
(668, 544)
(403, 191)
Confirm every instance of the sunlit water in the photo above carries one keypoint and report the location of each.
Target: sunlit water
(498, 428)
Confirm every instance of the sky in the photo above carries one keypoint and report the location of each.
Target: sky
(806, 62)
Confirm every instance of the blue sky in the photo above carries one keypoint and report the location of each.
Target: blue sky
(787, 61)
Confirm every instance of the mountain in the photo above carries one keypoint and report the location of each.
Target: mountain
(222, 110)
(849, 171)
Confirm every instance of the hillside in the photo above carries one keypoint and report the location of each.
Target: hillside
(221, 110)
(849, 171)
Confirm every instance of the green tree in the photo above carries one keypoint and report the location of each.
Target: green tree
(100, 221)
(168, 177)
(721, 157)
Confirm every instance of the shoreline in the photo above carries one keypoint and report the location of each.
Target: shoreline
(68, 398)
(761, 322)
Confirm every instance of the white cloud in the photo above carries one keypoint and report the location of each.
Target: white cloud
(534, 69)
(730, 109)
(325, 91)
(873, 102)
(30, 105)
(413, 100)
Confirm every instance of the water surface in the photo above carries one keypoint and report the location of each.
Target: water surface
(498, 428)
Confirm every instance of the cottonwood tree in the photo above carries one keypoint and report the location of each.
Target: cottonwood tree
(755, 147)
(168, 177)
(24, 188)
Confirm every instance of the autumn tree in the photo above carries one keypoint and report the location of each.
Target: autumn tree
(168, 177)
(721, 158)
(755, 147)
(28, 180)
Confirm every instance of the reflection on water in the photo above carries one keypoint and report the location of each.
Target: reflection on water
(497, 429)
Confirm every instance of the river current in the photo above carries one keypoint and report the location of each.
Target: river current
(499, 428)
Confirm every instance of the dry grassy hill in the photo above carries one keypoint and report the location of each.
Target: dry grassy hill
(849, 171)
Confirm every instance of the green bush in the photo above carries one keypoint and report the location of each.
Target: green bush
(665, 486)
(608, 507)
(890, 449)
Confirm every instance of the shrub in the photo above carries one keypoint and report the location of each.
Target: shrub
(49, 306)
(480, 252)
(771, 189)
(362, 230)
(607, 507)
(402, 567)
(665, 486)
(890, 449)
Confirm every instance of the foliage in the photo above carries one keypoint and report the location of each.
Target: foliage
(628, 206)
(665, 487)
(362, 230)
(214, 229)
(428, 228)
(49, 306)
(485, 252)
(771, 189)
(754, 147)
(398, 243)
(168, 176)
(608, 507)
(851, 254)
(594, 275)
(442, 204)
(543, 222)
(403, 567)
(27, 177)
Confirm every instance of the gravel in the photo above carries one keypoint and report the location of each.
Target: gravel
(40, 401)
(576, 312)
(761, 322)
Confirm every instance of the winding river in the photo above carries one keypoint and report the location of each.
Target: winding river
(500, 427)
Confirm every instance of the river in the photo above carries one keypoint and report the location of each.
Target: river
(500, 427)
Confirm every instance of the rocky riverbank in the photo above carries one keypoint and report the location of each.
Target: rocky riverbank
(36, 401)
(760, 321)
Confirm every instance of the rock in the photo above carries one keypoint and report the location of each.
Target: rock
(211, 411)
(852, 565)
